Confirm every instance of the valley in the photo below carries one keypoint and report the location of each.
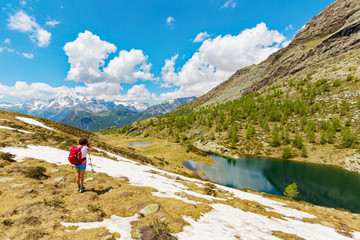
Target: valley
(122, 190)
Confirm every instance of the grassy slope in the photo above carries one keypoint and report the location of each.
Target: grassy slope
(321, 100)
(35, 208)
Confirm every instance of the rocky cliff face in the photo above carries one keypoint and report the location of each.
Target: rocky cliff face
(328, 38)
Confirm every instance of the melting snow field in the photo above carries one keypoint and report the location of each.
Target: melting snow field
(14, 129)
(114, 224)
(223, 222)
(34, 122)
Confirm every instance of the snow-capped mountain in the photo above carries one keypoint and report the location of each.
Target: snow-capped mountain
(59, 107)
(133, 106)
(119, 117)
(165, 107)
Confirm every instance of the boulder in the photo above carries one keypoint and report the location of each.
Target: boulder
(152, 208)
(6, 179)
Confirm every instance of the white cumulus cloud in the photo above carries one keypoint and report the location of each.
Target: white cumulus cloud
(22, 22)
(7, 41)
(25, 91)
(87, 55)
(201, 37)
(217, 59)
(128, 67)
(28, 55)
(138, 92)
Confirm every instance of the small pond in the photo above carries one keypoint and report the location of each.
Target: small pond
(317, 184)
(140, 144)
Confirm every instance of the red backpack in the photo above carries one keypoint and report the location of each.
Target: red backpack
(75, 156)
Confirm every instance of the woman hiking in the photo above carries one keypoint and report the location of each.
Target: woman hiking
(80, 169)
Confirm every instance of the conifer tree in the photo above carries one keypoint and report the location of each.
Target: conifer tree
(287, 152)
(291, 191)
(304, 152)
(323, 138)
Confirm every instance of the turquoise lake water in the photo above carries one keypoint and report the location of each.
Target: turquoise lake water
(139, 144)
(318, 184)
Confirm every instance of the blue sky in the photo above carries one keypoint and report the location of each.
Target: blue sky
(138, 50)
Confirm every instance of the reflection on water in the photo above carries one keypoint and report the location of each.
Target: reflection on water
(318, 184)
(139, 144)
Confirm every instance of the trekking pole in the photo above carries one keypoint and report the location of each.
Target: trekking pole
(56, 184)
(92, 169)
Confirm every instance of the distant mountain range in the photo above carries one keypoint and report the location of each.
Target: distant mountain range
(119, 117)
(92, 114)
(60, 107)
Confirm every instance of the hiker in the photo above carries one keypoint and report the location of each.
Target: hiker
(80, 169)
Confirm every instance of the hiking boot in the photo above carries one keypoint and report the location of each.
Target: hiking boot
(82, 189)
(78, 188)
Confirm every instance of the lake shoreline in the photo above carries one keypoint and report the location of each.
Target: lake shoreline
(350, 163)
(272, 175)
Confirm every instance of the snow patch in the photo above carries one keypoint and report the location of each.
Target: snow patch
(14, 129)
(115, 224)
(226, 222)
(34, 122)
(223, 222)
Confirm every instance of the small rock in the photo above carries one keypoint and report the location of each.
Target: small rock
(138, 234)
(116, 235)
(6, 179)
(163, 219)
(123, 179)
(239, 206)
(182, 194)
(42, 186)
(55, 170)
(81, 209)
(199, 191)
(307, 208)
(18, 185)
(58, 179)
(327, 224)
(152, 208)
(108, 237)
(29, 191)
(89, 180)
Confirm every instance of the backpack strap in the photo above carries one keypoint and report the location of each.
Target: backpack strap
(82, 158)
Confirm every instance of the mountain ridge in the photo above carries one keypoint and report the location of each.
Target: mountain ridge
(118, 117)
(320, 37)
(59, 107)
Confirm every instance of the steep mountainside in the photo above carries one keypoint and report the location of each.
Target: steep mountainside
(98, 121)
(302, 103)
(329, 38)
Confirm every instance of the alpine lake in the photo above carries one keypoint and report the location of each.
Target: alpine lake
(317, 184)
